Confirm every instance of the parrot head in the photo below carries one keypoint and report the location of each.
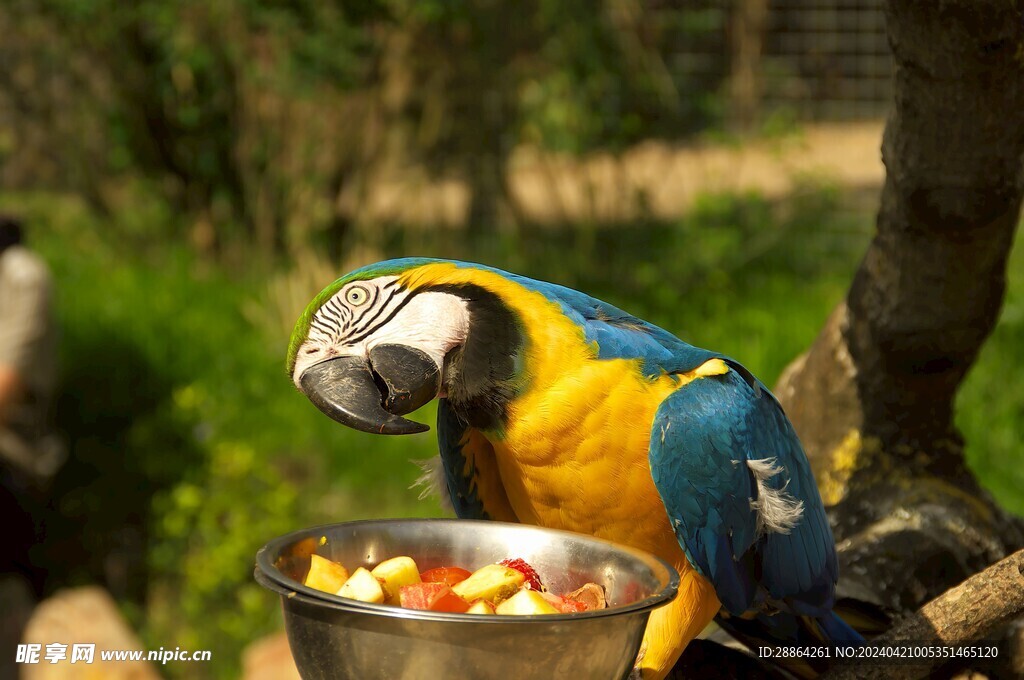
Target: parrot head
(381, 342)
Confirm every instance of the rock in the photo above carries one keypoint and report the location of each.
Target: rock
(269, 658)
(86, 615)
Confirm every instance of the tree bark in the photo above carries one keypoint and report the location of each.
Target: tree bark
(873, 397)
(969, 612)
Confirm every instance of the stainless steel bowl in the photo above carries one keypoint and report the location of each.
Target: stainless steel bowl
(333, 637)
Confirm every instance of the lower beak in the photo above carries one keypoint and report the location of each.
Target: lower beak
(371, 396)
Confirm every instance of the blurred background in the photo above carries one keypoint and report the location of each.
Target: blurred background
(194, 171)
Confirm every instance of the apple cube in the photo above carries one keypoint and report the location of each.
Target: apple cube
(436, 597)
(395, 573)
(362, 586)
(325, 575)
(525, 603)
(480, 607)
(494, 582)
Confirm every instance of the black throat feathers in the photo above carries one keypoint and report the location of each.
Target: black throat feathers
(480, 376)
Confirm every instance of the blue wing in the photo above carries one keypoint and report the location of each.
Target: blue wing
(470, 470)
(703, 438)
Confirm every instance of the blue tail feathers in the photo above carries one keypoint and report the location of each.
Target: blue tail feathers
(835, 630)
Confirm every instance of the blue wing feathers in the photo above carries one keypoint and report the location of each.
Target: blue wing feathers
(835, 629)
(702, 438)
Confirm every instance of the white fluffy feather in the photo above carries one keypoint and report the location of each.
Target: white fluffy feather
(777, 510)
(433, 481)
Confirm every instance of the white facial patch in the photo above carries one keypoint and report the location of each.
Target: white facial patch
(432, 322)
(380, 312)
(777, 510)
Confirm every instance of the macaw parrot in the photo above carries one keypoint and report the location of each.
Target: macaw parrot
(559, 410)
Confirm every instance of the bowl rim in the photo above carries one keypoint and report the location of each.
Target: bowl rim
(270, 577)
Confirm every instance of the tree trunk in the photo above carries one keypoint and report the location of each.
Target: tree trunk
(873, 398)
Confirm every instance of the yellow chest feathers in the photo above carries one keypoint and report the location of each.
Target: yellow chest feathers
(574, 453)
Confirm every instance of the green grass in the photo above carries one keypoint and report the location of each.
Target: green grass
(181, 412)
(990, 406)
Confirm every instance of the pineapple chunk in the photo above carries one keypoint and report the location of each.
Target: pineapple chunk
(495, 582)
(362, 586)
(395, 573)
(325, 575)
(480, 607)
(525, 603)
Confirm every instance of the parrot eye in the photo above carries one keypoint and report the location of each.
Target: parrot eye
(356, 296)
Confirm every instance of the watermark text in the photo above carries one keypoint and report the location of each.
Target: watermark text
(57, 652)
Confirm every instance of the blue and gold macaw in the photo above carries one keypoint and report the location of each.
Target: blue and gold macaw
(559, 410)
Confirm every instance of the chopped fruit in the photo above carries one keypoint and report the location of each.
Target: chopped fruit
(510, 587)
(449, 575)
(493, 582)
(419, 596)
(304, 548)
(437, 597)
(564, 604)
(450, 602)
(571, 606)
(362, 586)
(325, 575)
(525, 603)
(591, 596)
(532, 579)
(395, 573)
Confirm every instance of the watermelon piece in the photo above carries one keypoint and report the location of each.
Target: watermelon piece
(435, 597)
(520, 565)
(448, 575)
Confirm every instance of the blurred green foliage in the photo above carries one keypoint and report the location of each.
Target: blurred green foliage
(990, 404)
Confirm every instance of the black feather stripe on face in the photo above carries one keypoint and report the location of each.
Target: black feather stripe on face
(480, 376)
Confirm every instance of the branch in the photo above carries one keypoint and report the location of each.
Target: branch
(970, 611)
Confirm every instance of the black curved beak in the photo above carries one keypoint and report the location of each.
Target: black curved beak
(372, 396)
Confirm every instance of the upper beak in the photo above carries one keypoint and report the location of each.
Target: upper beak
(371, 396)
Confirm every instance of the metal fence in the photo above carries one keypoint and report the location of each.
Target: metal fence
(828, 59)
(821, 59)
